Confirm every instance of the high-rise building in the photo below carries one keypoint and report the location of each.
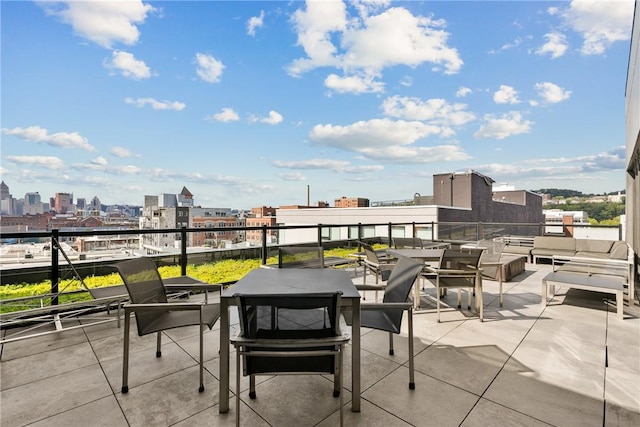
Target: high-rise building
(32, 204)
(63, 203)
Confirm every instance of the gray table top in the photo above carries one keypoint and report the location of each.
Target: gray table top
(265, 281)
(425, 254)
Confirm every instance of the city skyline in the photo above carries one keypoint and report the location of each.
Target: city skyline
(253, 103)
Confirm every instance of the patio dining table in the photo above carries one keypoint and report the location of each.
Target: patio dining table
(265, 282)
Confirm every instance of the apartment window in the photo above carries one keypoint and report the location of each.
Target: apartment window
(424, 232)
(368, 231)
(398, 231)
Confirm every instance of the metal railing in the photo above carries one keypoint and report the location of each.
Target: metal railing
(346, 235)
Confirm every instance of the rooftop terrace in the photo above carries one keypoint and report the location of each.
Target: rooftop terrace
(569, 363)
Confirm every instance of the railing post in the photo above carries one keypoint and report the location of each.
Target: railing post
(320, 235)
(413, 229)
(183, 250)
(389, 232)
(433, 233)
(264, 244)
(55, 273)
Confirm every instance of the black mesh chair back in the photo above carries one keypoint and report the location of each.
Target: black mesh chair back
(288, 318)
(398, 288)
(289, 334)
(452, 259)
(370, 253)
(492, 250)
(407, 243)
(144, 285)
(300, 257)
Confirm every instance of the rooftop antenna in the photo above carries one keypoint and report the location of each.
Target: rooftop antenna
(308, 200)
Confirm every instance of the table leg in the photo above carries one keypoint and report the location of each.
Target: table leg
(355, 355)
(224, 357)
(500, 281)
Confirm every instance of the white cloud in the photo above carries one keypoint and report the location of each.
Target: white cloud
(556, 45)
(386, 140)
(102, 22)
(506, 95)
(508, 46)
(99, 161)
(406, 81)
(571, 168)
(122, 152)
(435, 111)
(353, 84)
(60, 139)
(341, 166)
(127, 65)
(255, 22)
(552, 93)
(47, 162)
(600, 22)
(226, 115)
(292, 176)
(273, 119)
(155, 104)
(500, 127)
(209, 68)
(463, 91)
(364, 45)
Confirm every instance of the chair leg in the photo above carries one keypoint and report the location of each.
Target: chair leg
(340, 381)
(337, 377)
(201, 388)
(438, 295)
(238, 386)
(125, 354)
(159, 344)
(412, 381)
(252, 386)
(391, 344)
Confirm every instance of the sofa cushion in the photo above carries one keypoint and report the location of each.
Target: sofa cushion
(593, 245)
(597, 255)
(619, 250)
(552, 242)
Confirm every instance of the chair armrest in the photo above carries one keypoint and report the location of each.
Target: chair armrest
(193, 287)
(446, 272)
(370, 287)
(491, 264)
(386, 305)
(163, 306)
(289, 343)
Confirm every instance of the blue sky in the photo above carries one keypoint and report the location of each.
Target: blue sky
(246, 103)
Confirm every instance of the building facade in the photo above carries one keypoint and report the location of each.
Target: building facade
(351, 202)
(472, 200)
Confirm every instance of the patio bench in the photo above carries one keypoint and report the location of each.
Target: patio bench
(585, 282)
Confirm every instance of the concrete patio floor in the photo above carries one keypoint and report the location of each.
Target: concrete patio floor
(572, 363)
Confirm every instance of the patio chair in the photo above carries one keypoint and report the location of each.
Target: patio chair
(458, 270)
(154, 314)
(300, 257)
(284, 334)
(387, 315)
(377, 262)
